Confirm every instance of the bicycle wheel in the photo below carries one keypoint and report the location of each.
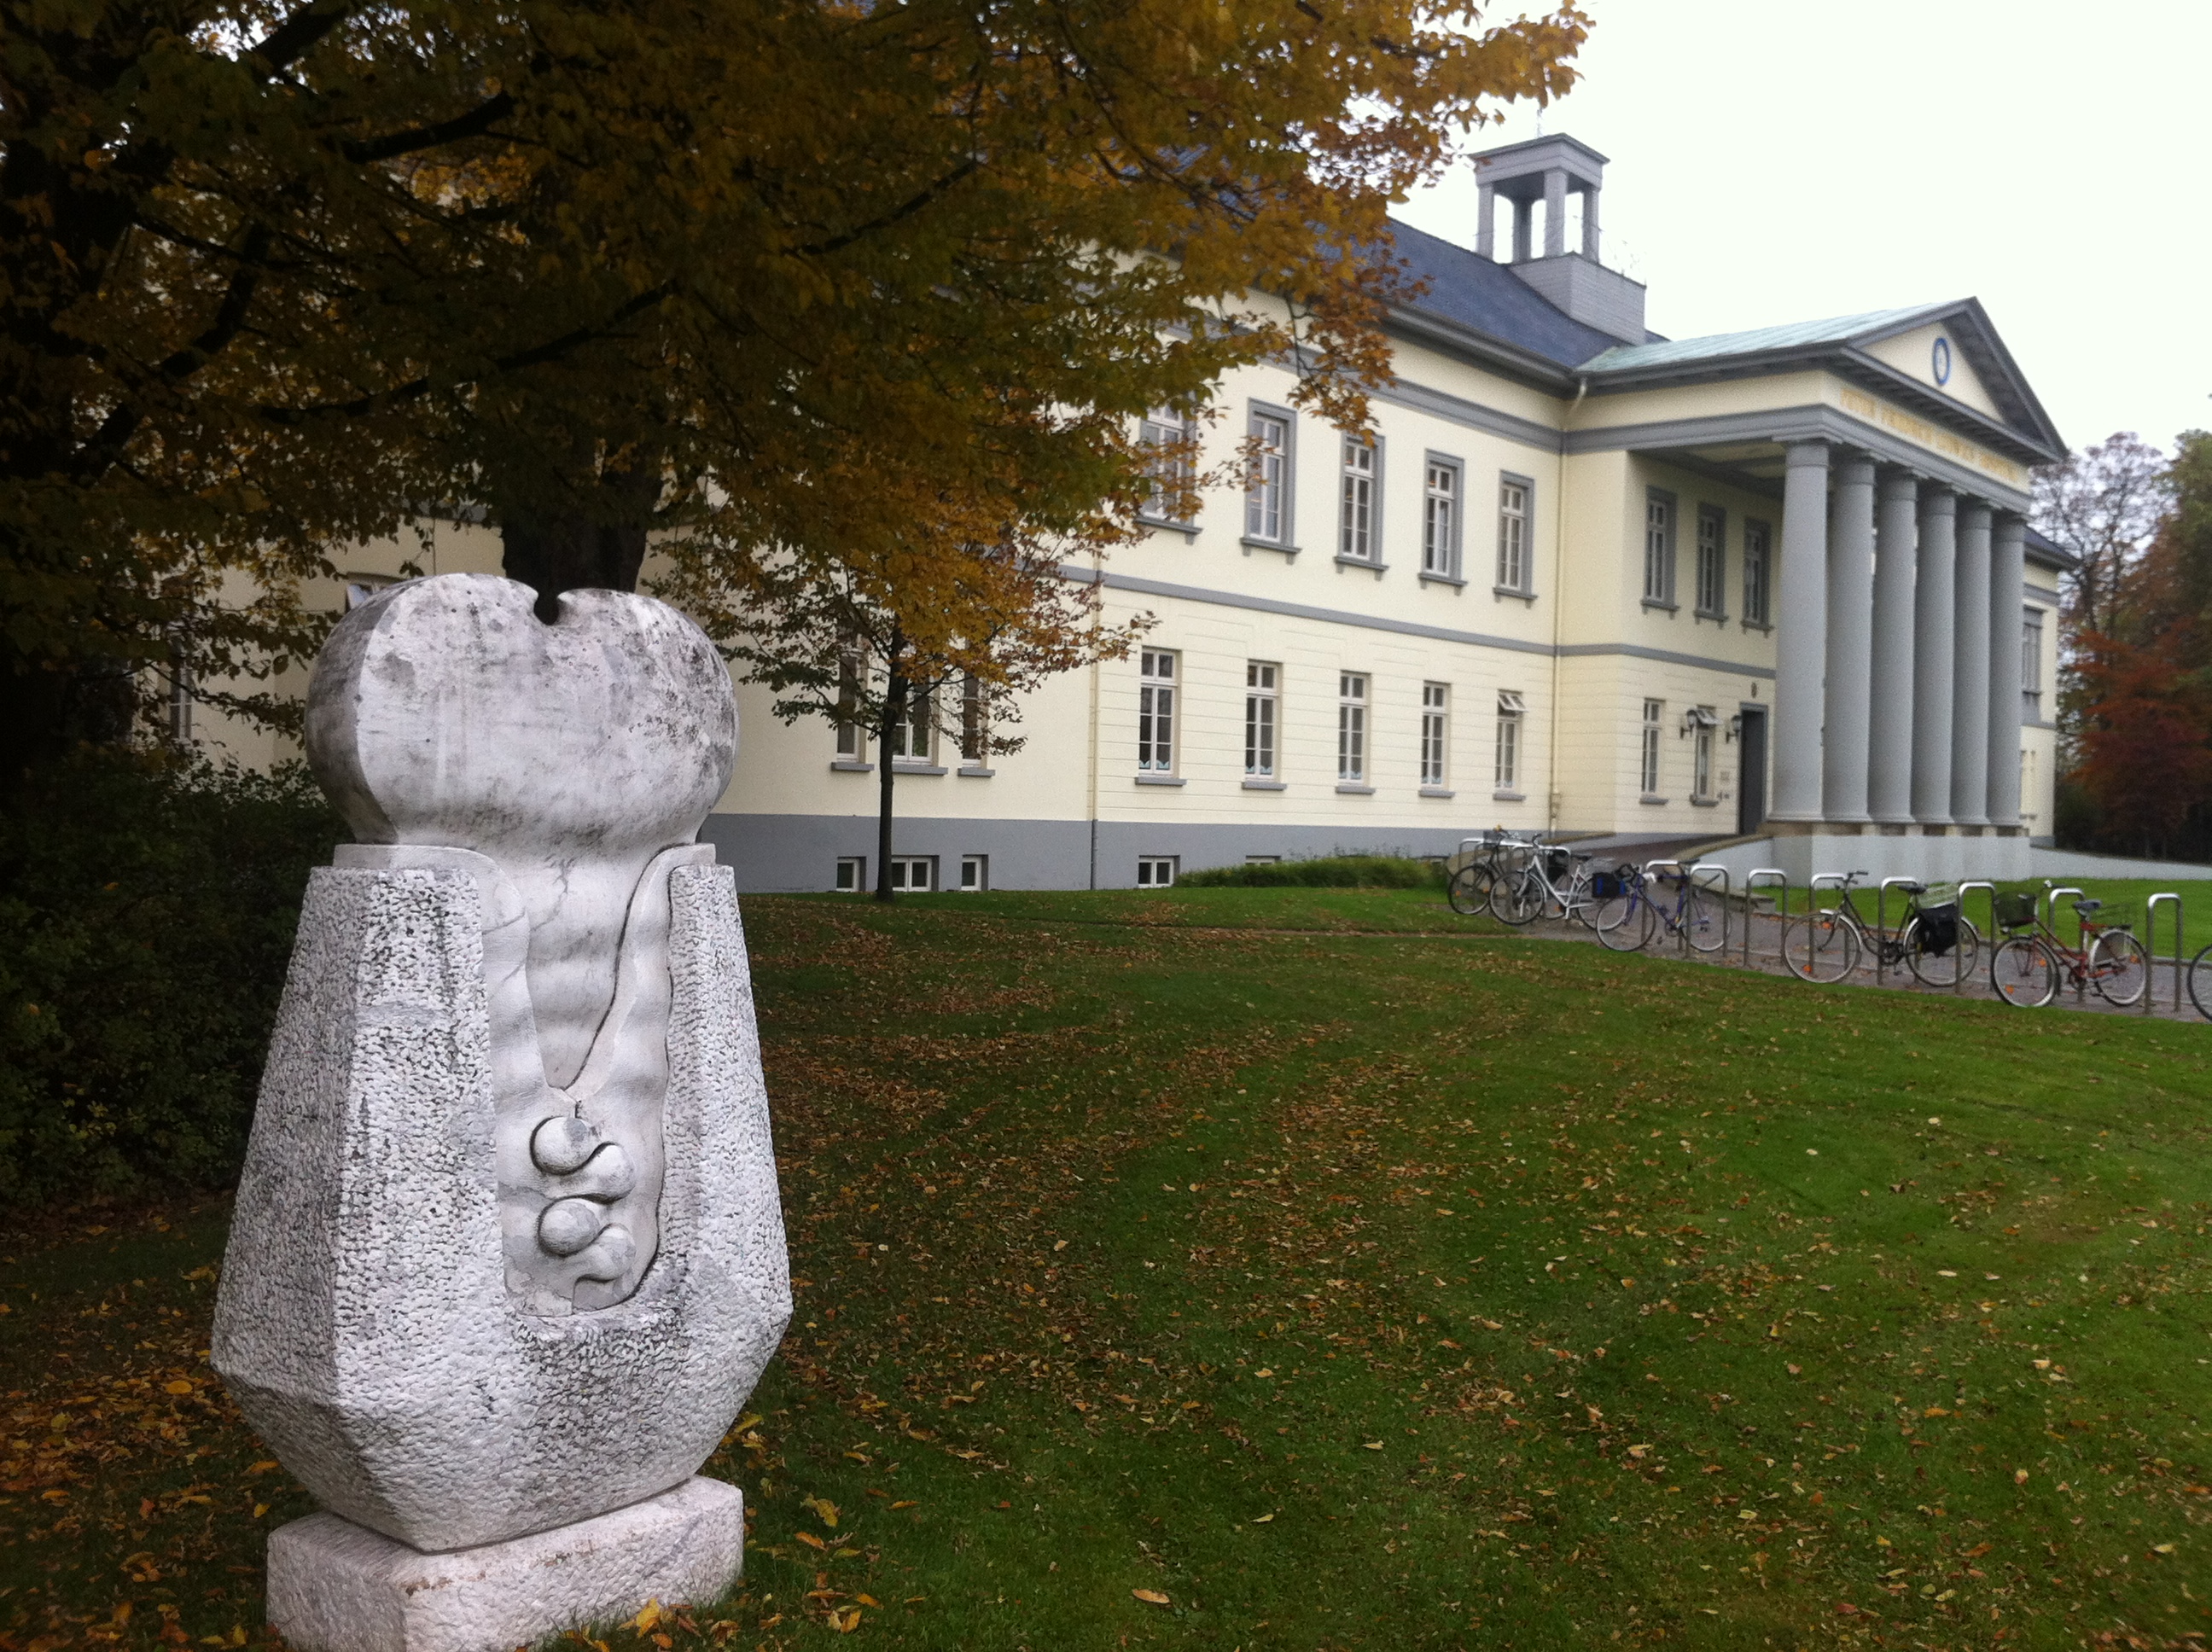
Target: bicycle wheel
(1518, 897)
(2200, 983)
(1625, 922)
(1942, 969)
(1820, 947)
(1703, 921)
(2023, 973)
(2119, 967)
(1469, 890)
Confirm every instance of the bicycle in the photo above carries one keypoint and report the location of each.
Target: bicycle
(1468, 890)
(1626, 920)
(1935, 941)
(2027, 969)
(1552, 878)
(2200, 983)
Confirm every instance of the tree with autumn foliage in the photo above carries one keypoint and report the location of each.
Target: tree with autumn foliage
(787, 276)
(2142, 741)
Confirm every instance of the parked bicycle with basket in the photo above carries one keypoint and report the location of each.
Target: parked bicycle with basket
(1554, 881)
(2028, 967)
(1935, 941)
(1497, 853)
(1631, 910)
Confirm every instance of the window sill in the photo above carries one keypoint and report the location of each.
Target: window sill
(905, 766)
(1504, 590)
(851, 766)
(1707, 614)
(1160, 779)
(1439, 791)
(1651, 802)
(1663, 607)
(1509, 797)
(1266, 786)
(1251, 545)
(1376, 569)
(1756, 625)
(1355, 788)
(1162, 525)
(1705, 803)
(1442, 579)
(975, 773)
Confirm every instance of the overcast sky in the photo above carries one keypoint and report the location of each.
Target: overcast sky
(1784, 162)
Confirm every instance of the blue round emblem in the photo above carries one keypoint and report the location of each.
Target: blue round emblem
(1940, 360)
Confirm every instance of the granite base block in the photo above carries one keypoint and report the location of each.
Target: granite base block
(337, 1587)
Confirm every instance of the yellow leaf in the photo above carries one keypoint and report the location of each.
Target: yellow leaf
(178, 1387)
(811, 1541)
(263, 1466)
(2161, 1548)
(1261, 1520)
(648, 1615)
(907, 1503)
(823, 1507)
(867, 1601)
(1374, 1445)
(259, 1509)
(1151, 1597)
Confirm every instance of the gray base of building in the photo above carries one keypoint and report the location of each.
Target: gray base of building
(791, 853)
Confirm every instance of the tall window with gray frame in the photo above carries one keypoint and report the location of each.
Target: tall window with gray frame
(1351, 726)
(975, 746)
(1156, 711)
(1167, 435)
(1267, 482)
(1506, 771)
(1356, 540)
(1659, 549)
(1440, 521)
(913, 735)
(1435, 732)
(1512, 534)
(2031, 665)
(1653, 711)
(1704, 723)
(1758, 572)
(1260, 679)
(1712, 566)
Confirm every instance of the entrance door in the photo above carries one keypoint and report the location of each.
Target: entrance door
(1751, 772)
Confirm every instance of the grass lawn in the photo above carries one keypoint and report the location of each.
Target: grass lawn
(1184, 1282)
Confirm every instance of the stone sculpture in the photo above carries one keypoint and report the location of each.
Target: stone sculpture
(508, 1254)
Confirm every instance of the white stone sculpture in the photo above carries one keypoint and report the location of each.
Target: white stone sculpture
(508, 1255)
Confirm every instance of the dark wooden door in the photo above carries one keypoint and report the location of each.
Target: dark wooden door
(1751, 772)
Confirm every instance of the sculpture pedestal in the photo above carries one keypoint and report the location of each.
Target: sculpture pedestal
(337, 1587)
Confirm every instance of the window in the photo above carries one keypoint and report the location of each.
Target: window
(1704, 721)
(2031, 664)
(1156, 870)
(1653, 711)
(1757, 573)
(851, 874)
(1505, 772)
(974, 873)
(1440, 520)
(1356, 540)
(1260, 720)
(974, 744)
(851, 737)
(1513, 534)
(1167, 435)
(1659, 549)
(2028, 792)
(1263, 860)
(915, 735)
(1351, 727)
(181, 697)
(1435, 732)
(916, 874)
(1267, 483)
(1712, 568)
(1155, 710)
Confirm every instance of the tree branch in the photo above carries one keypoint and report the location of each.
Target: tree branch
(474, 124)
(297, 35)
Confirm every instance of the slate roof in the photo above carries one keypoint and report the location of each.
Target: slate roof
(1479, 293)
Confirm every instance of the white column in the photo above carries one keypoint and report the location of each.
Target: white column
(2007, 572)
(1850, 640)
(1934, 612)
(1801, 636)
(1485, 222)
(1889, 759)
(1970, 702)
(1589, 225)
(1523, 212)
(1555, 214)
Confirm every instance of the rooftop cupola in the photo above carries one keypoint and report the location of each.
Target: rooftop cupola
(1550, 171)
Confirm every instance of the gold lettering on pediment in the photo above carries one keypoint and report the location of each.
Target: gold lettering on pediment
(1935, 439)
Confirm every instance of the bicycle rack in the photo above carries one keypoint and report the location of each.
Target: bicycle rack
(1958, 979)
(1881, 922)
(1728, 886)
(1750, 880)
(2050, 922)
(1682, 942)
(1838, 881)
(2150, 948)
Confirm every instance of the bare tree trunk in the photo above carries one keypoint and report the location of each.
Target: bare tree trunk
(894, 697)
(553, 546)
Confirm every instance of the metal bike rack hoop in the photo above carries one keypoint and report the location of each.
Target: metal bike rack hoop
(1881, 923)
(2050, 923)
(1727, 887)
(1681, 941)
(1958, 977)
(1751, 882)
(2150, 946)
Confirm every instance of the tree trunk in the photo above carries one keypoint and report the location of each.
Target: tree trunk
(555, 545)
(894, 713)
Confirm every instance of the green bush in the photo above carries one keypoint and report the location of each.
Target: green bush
(1326, 871)
(146, 917)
